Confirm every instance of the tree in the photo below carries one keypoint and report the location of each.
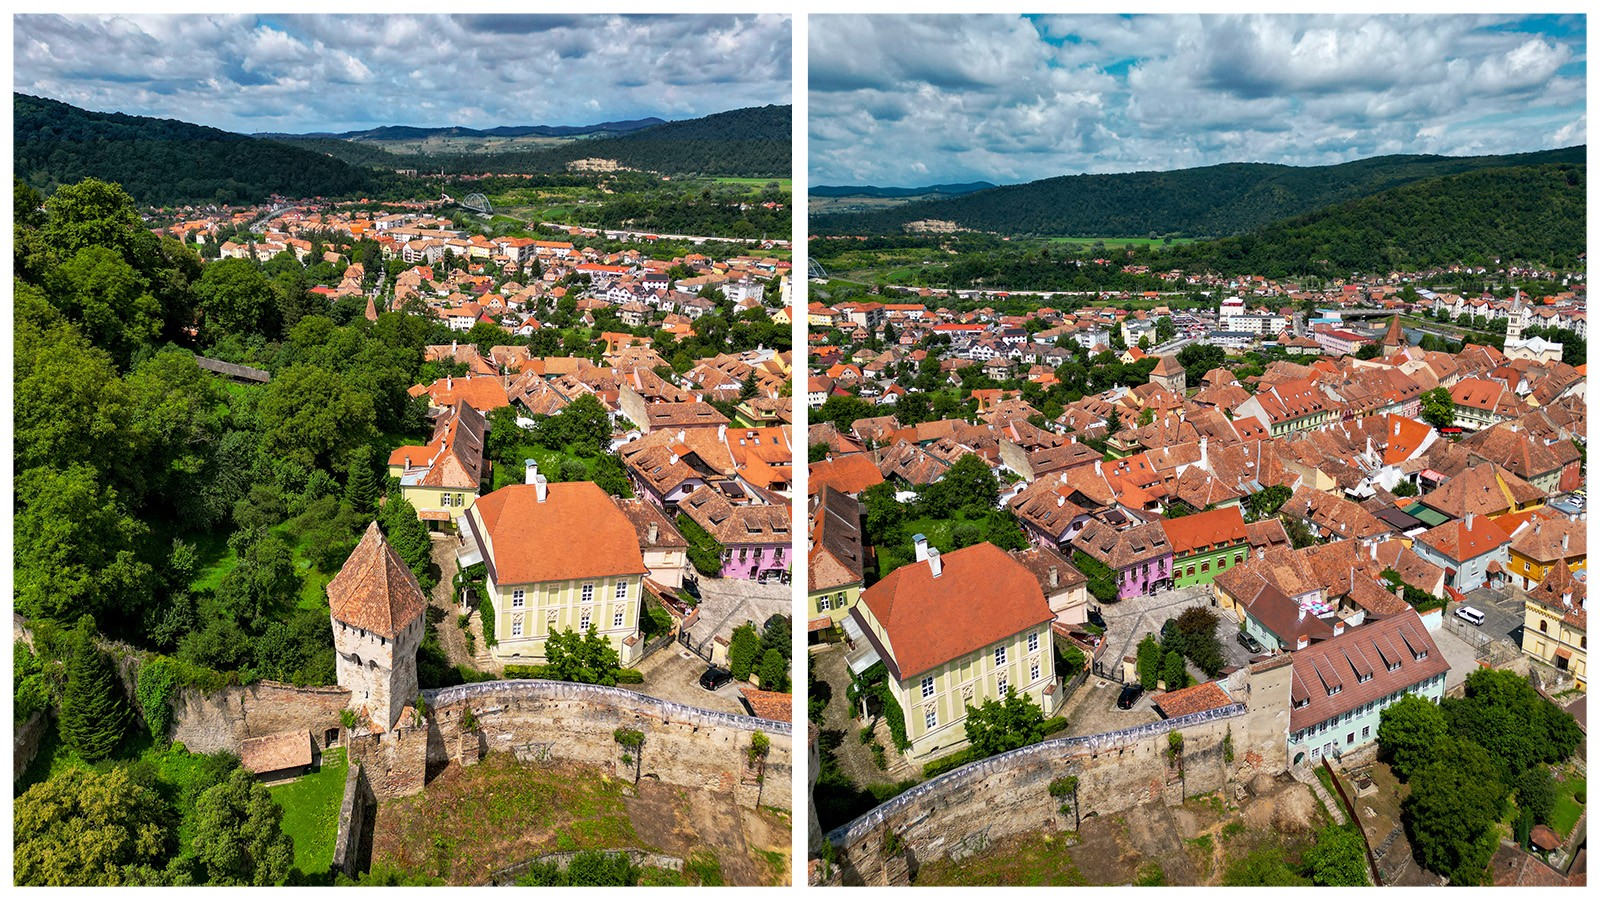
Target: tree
(1536, 793)
(405, 533)
(1411, 734)
(1451, 813)
(1338, 857)
(94, 710)
(108, 300)
(583, 425)
(1198, 625)
(76, 547)
(361, 485)
(1438, 409)
(773, 672)
(239, 837)
(1001, 725)
(236, 299)
(583, 658)
(1102, 581)
(1265, 503)
(1201, 358)
(1502, 713)
(85, 828)
(744, 648)
(1148, 662)
(1173, 671)
(95, 213)
(313, 417)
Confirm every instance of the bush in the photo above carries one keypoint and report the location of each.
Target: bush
(156, 683)
(743, 650)
(945, 764)
(486, 618)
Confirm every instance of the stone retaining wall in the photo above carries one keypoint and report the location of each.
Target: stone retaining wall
(351, 853)
(25, 742)
(221, 720)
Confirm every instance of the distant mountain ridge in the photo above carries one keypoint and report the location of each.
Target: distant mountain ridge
(1211, 201)
(164, 161)
(414, 132)
(890, 193)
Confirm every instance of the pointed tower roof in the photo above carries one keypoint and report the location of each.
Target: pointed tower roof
(1395, 337)
(375, 590)
(372, 310)
(1167, 366)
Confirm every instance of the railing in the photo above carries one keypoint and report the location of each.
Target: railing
(538, 689)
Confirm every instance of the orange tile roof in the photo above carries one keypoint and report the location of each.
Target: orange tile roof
(852, 474)
(981, 597)
(578, 532)
(769, 705)
(1190, 700)
(1210, 529)
(375, 590)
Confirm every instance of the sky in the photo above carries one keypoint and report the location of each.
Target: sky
(255, 73)
(907, 101)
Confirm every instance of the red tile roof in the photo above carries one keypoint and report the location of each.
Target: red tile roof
(578, 532)
(375, 590)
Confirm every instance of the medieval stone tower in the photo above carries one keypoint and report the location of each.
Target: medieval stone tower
(377, 612)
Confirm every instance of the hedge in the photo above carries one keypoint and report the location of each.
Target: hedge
(486, 616)
(624, 676)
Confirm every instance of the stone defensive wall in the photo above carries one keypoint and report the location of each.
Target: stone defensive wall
(964, 811)
(208, 721)
(683, 745)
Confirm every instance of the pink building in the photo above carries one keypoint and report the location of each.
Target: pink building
(755, 538)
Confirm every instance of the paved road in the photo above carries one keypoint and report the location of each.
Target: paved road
(1127, 621)
(727, 603)
(673, 673)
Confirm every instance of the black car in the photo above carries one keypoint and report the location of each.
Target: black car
(714, 678)
(691, 587)
(1251, 644)
(1096, 619)
(1129, 696)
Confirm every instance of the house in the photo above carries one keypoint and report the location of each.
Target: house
(851, 474)
(1343, 684)
(1064, 587)
(1204, 544)
(444, 477)
(835, 561)
(1555, 624)
(277, 757)
(559, 557)
(1139, 558)
(1547, 539)
(1464, 548)
(1168, 375)
(754, 537)
(666, 553)
(955, 631)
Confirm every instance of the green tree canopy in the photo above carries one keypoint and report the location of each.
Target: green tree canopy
(1438, 409)
(1001, 725)
(236, 298)
(1411, 734)
(1451, 812)
(239, 837)
(88, 828)
(586, 658)
(94, 709)
(1337, 858)
(312, 417)
(744, 651)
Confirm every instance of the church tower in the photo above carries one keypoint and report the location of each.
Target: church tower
(1517, 319)
(377, 612)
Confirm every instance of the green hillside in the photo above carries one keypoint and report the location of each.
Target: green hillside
(164, 161)
(1212, 201)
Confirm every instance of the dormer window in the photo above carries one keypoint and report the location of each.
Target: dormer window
(1394, 666)
(1363, 679)
(1302, 704)
(1335, 689)
(1420, 655)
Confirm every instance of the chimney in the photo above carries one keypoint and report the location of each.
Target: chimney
(1469, 521)
(1374, 552)
(449, 382)
(1301, 642)
(1565, 538)
(1566, 598)
(921, 542)
(655, 532)
(1204, 459)
(1055, 577)
(1097, 467)
(935, 564)
(530, 471)
(1537, 526)
(681, 436)
(1338, 627)
(452, 347)
(1060, 501)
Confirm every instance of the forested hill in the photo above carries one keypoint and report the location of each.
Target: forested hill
(1211, 201)
(891, 193)
(753, 142)
(164, 161)
(1529, 214)
(412, 132)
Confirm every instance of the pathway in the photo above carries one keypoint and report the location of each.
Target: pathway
(451, 638)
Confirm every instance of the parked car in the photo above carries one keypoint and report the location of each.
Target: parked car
(1469, 614)
(1096, 619)
(1251, 644)
(691, 586)
(1129, 696)
(714, 678)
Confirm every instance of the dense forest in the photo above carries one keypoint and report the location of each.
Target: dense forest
(949, 190)
(1532, 214)
(164, 161)
(1212, 201)
(747, 143)
(413, 132)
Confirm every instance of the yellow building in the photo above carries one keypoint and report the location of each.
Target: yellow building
(955, 631)
(442, 479)
(834, 562)
(558, 557)
(1555, 624)
(1541, 543)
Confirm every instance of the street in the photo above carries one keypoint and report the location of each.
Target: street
(673, 673)
(727, 603)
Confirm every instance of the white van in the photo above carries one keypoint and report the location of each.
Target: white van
(1469, 614)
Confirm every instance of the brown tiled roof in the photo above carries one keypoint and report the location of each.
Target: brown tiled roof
(683, 415)
(276, 752)
(1485, 489)
(836, 557)
(1266, 533)
(1341, 663)
(1121, 549)
(578, 532)
(1190, 700)
(1566, 595)
(1041, 561)
(1203, 531)
(769, 705)
(375, 590)
(1455, 540)
(982, 596)
(1541, 538)
(643, 513)
(735, 525)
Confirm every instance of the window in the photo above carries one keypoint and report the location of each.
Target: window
(927, 687)
(588, 593)
(999, 656)
(1366, 732)
(444, 500)
(1004, 685)
(518, 598)
(1238, 558)
(1033, 643)
(1191, 569)
(930, 718)
(1205, 567)
(1350, 738)
(584, 620)
(616, 618)
(1033, 672)
(1335, 689)
(1544, 626)
(622, 590)
(825, 602)
(516, 626)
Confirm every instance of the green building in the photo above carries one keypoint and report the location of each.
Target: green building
(1205, 544)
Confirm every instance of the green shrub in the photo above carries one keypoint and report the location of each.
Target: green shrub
(945, 764)
(157, 683)
(1063, 786)
(486, 617)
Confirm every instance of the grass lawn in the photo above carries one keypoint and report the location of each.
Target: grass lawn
(784, 184)
(216, 559)
(1567, 808)
(1039, 859)
(311, 812)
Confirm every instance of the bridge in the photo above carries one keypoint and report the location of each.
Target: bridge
(477, 203)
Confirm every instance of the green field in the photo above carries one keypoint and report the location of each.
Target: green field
(311, 812)
(1567, 809)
